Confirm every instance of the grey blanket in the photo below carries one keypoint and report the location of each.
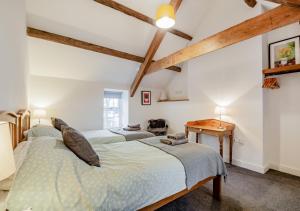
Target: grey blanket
(199, 161)
(174, 142)
(132, 135)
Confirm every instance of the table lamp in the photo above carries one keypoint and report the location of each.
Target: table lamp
(39, 114)
(7, 163)
(220, 111)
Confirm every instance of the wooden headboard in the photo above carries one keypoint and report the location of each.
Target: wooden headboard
(18, 123)
(24, 122)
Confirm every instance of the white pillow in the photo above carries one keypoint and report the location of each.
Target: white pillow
(43, 130)
(19, 154)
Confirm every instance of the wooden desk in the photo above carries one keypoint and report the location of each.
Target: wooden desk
(211, 127)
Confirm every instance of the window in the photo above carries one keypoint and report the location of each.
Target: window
(113, 109)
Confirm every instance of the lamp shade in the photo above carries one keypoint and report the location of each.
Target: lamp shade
(165, 16)
(220, 110)
(39, 113)
(7, 163)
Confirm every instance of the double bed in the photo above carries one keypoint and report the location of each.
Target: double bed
(135, 175)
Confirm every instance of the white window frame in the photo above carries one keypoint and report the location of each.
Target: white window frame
(113, 94)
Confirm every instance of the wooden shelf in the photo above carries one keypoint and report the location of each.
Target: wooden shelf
(282, 70)
(163, 101)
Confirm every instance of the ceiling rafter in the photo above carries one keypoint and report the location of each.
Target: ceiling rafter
(87, 46)
(126, 10)
(266, 22)
(158, 38)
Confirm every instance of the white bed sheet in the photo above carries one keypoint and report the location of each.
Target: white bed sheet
(102, 137)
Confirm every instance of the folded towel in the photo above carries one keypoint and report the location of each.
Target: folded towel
(174, 142)
(176, 136)
(131, 128)
(134, 126)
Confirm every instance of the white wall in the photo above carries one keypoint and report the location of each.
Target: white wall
(80, 103)
(142, 113)
(13, 85)
(282, 114)
(230, 77)
(266, 128)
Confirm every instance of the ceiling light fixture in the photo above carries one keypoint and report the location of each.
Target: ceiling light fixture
(165, 16)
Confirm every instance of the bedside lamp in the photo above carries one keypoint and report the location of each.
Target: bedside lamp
(220, 111)
(40, 114)
(7, 163)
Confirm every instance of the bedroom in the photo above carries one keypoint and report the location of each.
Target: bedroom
(38, 72)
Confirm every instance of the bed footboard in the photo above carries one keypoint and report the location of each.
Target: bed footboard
(217, 183)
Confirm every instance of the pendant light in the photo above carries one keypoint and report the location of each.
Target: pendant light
(165, 16)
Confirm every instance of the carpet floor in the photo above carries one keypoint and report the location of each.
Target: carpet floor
(245, 190)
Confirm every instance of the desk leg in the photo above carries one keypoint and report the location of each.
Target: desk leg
(230, 148)
(186, 133)
(221, 145)
(197, 138)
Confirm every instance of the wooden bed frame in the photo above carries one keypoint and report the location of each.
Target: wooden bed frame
(20, 122)
(217, 183)
(24, 123)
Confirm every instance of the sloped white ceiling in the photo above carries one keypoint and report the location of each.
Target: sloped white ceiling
(92, 22)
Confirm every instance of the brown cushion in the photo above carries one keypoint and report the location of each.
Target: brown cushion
(57, 123)
(78, 144)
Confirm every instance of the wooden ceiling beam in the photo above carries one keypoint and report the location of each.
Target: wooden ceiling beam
(266, 22)
(251, 3)
(126, 10)
(292, 3)
(158, 38)
(87, 46)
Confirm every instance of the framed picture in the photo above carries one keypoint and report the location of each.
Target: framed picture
(146, 97)
(284, 53)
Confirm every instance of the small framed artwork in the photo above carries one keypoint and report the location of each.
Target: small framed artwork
(146, 97)
(284, 53)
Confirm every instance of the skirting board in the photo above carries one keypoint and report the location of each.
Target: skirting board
(285, 169)
(247, 165)
(264, 169)
(250, 166)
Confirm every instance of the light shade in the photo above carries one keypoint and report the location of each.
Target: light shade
(39, 113)
(7, 163)
(220, 110)
(165, 16)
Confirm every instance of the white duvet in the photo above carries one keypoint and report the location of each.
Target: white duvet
(102, 137)
(132, 175)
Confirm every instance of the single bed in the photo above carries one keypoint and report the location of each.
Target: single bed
(102, 137)
(114, 135)
(133, 176)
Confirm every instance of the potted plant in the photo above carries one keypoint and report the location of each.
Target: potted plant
(287, 54)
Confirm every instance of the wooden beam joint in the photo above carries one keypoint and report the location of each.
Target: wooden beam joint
(128, 11)
(158, 38)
